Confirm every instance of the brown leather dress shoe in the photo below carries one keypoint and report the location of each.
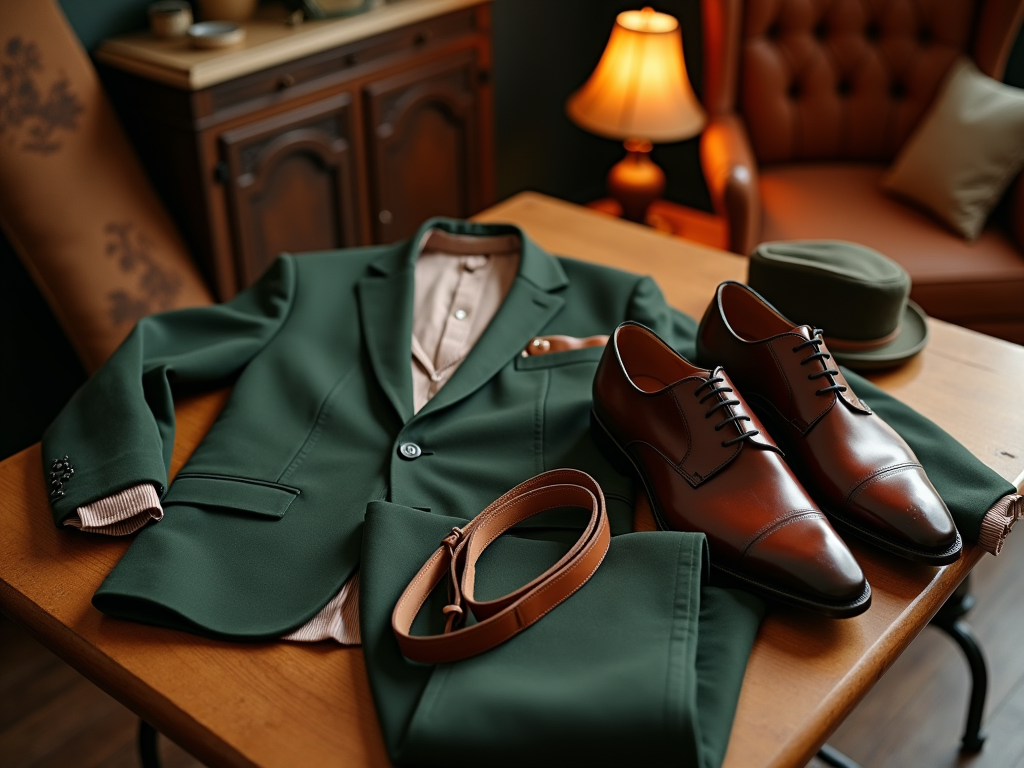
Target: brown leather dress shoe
(864, 476)
(708, 465)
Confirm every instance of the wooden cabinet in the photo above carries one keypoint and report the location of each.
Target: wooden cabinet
(353, 145)
(423, 145)
(291, 184)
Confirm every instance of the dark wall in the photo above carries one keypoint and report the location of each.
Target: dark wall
(39, 369)
(94, 20)
(1014, 74)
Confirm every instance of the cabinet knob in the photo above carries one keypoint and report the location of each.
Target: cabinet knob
(285, 81)
(384, 216)
(221, 172)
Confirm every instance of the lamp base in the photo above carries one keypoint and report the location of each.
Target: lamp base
(676, 220)
(636, 181)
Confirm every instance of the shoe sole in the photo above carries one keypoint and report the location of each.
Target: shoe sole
(925, 556)
(623, 461)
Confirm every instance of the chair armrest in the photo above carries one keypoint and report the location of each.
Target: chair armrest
(730, 170)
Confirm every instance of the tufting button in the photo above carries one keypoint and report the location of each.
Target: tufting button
(897, 90)
(772, 32)
(924, 36)
(843, 88)
(410, 451)
(820, 30)
(873, 32)
(793, 91)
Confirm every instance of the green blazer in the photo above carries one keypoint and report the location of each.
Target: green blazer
(262, 525)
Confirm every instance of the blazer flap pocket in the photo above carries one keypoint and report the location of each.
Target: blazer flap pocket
(238, 493)
(554, 359)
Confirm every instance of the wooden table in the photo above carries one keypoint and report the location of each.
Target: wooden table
(284, 704)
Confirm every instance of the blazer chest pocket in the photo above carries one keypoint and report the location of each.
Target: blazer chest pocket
(239, 494)
(558, 359)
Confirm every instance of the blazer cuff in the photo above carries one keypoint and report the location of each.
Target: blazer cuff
(998, 522)
(338, 620)
(119, 514)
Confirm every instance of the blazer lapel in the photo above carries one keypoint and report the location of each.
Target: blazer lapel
(386, 299)
(529, 306)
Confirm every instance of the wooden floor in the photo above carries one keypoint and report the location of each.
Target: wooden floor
(50, 716)
(914, 716)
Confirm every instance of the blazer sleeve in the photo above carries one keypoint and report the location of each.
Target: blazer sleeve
(648, 306)
(117, 431)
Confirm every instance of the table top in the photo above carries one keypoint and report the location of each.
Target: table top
(284, 704)
(269, 41)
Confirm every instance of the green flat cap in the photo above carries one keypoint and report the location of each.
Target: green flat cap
(857, 296)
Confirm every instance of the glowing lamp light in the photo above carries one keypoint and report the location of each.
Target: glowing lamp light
(639, 93)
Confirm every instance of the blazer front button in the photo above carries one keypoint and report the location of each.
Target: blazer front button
(410, 451)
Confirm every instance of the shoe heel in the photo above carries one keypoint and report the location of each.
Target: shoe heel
(609, 448)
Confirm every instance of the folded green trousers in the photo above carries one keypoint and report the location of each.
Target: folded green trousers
(641, 666)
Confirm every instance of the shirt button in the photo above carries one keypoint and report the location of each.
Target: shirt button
(460, 314)
(410, 451)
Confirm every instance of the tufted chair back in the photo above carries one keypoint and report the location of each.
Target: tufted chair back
(842, 79)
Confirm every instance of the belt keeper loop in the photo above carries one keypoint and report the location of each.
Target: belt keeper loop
(454, 608)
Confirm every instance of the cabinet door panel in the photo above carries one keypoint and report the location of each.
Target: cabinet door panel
(291, 184)
(423, 144)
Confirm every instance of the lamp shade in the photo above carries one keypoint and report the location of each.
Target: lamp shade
(639, 89)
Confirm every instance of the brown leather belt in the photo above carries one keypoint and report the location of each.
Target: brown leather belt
(498, 620)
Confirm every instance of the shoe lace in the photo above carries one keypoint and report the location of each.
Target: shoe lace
(816, 341)
(724, 403)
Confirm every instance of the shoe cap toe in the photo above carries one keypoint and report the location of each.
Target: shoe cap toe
(805, 555)
(903, 504)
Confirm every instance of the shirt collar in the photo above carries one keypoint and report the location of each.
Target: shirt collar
(535, 264)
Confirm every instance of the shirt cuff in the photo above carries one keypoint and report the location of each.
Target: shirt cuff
(998, 522)
(119, 514)
(338, 620)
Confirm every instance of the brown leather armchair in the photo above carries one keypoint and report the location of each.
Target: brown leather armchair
(810, 100)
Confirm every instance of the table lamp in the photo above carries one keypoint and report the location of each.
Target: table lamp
(639, 93)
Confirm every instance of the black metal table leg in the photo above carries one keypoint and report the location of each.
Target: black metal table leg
(950, 620)
(148, 754)
(835, 758)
